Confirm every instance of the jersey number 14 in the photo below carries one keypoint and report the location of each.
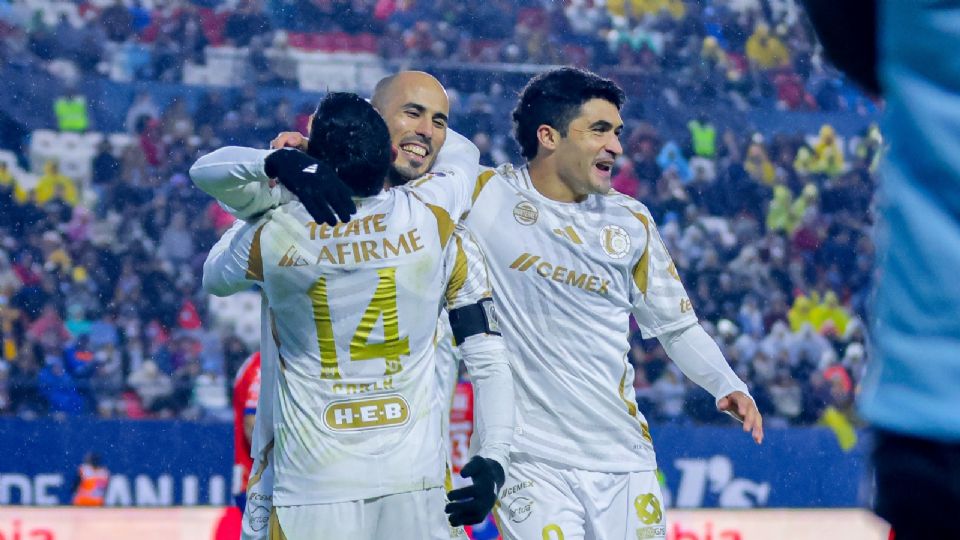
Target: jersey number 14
(383, 304)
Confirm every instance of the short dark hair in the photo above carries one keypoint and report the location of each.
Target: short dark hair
(350, 136)
(554, 98)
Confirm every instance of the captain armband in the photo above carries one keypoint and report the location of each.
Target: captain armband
(478, 318)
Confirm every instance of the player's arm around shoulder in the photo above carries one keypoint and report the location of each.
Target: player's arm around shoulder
(450, 183)
(235, 262)
(235, 176)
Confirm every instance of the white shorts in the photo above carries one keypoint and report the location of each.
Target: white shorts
(256, 514)
(415, 515)
(542, 502)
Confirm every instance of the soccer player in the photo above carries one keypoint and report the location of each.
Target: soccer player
(356, 426)
(246, 393)
(415, 107)
(584, 258)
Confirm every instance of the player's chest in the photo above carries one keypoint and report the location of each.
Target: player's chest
(556, 247)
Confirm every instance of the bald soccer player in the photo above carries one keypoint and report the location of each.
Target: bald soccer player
(416, 108)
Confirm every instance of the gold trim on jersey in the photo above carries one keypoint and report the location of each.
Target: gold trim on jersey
(458, 277)
(445, 224)
(264, 459)
(448, 477)
(482, 180)
(255, 259)
(275, 532)
(631, 407)
(641, 272)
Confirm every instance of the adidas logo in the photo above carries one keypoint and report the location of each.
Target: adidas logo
(312, 169)
(292, 257)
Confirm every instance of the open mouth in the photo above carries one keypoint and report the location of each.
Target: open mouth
(414, 150)
(604, 167)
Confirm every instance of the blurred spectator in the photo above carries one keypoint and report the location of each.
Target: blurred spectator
(827, 154)
(53, 185)
(758, 164)
(118, 21)
(245, 22)
(703, 136)
(25, 396)
(143, 106)
(764, 50)
(153, 387)
(59, 388)
(71, 110)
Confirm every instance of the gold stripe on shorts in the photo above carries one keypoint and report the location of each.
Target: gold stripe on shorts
(274, 532)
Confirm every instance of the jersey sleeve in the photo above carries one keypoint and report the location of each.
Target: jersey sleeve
(235, 262)
(450, 183)
(466, 268)
(659, 302)
(234, 176)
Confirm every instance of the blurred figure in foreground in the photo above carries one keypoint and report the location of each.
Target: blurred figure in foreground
(911, 392)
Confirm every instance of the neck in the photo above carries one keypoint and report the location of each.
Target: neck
(543, 173)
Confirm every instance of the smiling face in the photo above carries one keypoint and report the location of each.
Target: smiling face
(416, 109)
(585, 156)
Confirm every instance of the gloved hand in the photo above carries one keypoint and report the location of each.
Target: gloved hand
(313, 182)
(471, 504)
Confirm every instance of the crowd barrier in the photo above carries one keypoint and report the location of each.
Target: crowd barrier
(174, 463)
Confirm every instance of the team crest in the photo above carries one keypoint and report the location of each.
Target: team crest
(615, 241)
(525, 213)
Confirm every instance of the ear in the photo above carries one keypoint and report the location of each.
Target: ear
(548, 137)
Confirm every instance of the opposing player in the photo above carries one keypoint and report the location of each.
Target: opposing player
(246, 394)
(357, 423)
(585, 259)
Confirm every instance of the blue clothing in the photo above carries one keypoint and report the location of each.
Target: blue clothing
(913, 385)
(670, 156)
(60, 391)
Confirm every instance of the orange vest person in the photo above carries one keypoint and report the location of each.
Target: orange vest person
(91, 483)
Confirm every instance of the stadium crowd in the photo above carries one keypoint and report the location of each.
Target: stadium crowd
(741, 52)
(102, 311)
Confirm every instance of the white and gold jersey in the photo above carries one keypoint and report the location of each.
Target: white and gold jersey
(354, 309)
(569, 276)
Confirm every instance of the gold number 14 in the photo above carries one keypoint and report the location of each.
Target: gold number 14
(383, 304)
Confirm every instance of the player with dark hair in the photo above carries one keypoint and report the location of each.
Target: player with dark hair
(415, 107)
(358, 452)
(555, 99)
(586, 258)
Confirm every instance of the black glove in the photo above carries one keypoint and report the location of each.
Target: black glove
(313, 182)
(470, 505)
